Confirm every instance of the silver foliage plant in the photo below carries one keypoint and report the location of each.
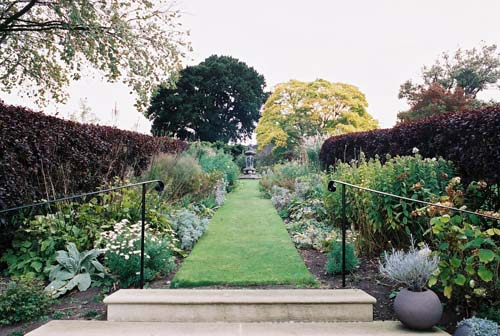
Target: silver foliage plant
(412, 269)
(480, 327)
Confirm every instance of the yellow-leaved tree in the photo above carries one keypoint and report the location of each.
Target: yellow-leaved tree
(297, 110)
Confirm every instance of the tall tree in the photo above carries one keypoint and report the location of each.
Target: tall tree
(296, 110)
(435, 99)
(218, 99)
(46, 43)
(452, 83)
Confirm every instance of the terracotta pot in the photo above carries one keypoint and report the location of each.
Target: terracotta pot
(418, 310)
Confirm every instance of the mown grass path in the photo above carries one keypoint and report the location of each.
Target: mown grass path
(246, 244)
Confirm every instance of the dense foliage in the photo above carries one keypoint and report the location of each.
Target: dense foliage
(46, 44)
(469, 139)
(218, 99)
(297, 110)
(382, 221)
(44, 157)
(470, 260)
(23, 301)
(176, 219)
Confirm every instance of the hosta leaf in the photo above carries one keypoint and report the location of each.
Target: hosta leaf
(485, 274)
(84, 281)
(54, 286)
(98, 266)
(486, 255)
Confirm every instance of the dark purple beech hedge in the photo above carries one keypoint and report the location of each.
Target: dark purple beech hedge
(470, 139)
(44, 157)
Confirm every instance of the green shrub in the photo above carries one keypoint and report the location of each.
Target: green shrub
(283, 175)
(470, 259)
(334, 264)
(385, 221)
(182, 175)
(123, 252)
(74, 269)
(222, 163)
(23, 301)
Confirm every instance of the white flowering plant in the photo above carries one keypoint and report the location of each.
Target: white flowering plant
(122, 253)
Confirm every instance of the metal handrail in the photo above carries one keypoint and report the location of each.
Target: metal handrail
(332, 188)
(159, 187)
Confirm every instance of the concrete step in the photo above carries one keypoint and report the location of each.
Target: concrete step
(104, 328)
(202, 305)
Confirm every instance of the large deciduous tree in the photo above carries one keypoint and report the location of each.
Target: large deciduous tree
(296, 110)
(47, 43)
(452, 83)
(218, 99)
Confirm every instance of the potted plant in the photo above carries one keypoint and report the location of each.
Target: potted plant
(476, 327)
(416, 306)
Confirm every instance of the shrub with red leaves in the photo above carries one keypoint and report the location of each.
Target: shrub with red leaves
(43, 157)
(470, 139)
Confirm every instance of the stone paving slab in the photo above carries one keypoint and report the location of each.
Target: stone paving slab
(98, 328)
(240, 296)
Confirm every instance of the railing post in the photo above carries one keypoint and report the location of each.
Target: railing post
(344, 228)
(143, 224)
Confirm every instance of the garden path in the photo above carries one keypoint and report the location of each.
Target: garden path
(246, 244)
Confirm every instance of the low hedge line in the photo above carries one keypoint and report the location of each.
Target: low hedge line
(470, 139)
(45, 157)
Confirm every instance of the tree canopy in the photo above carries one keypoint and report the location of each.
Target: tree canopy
(218, 99)
(452, 83)
(46, 44)
(296, 110)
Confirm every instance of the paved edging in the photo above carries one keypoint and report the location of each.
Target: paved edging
(105, 328)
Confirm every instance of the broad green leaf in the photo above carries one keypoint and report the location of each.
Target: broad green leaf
(460, 279)
(83, 281)
(486, 255)
(470, 269)
(37, 266)
(493, 231)
(485, 274)
(455, 262)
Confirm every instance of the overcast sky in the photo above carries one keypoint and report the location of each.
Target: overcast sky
(375, 45)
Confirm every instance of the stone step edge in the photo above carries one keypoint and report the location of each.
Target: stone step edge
(238, 296)
(94, 328)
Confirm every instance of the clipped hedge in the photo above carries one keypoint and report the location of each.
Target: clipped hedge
(44, 157)
(469, 139)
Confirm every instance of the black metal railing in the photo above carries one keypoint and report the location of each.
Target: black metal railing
(159, 187)
(333, 188)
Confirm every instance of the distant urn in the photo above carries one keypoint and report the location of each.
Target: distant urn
(249, 162)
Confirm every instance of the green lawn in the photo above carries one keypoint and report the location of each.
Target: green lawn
(246, 244)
